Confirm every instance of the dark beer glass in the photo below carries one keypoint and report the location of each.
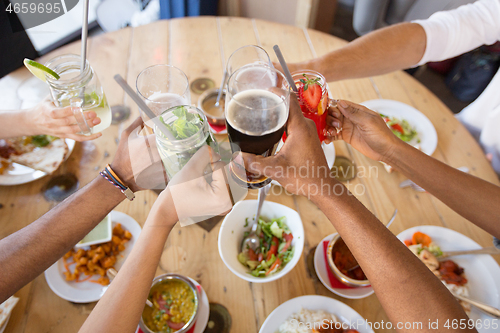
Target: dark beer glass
(256, 115)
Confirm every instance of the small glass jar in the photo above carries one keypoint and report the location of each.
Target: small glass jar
(319, 114)
(81, 90)
(176, 154)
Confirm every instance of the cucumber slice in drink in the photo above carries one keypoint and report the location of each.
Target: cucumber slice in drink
(39, 70)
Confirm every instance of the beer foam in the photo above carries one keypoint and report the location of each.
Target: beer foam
(256, 112)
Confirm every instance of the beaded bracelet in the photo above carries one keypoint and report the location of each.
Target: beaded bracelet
(113, 178)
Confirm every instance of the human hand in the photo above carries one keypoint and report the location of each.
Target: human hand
(362, 128)
(46, 118)
(200, 188)
(300, 164)
(137, 161)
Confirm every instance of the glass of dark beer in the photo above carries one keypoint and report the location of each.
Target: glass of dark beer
(256, 115)
(246, 55)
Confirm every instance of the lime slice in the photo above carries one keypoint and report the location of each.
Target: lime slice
(39, 70)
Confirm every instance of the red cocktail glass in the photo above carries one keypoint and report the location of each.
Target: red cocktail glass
(319, 112)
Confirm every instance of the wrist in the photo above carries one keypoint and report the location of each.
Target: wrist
(28, 117)
(393, 156)
(163, 210)
(112, 193)
(126, 177)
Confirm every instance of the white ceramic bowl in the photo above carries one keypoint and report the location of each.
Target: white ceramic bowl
(231, 235)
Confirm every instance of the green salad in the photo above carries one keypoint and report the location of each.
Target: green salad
(401, 128)
(275, 249)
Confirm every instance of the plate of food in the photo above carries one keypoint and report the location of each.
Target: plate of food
(407, 123)
(472, 276)
(80, 275)
(28, 158)
(313, 314)
(281, 237)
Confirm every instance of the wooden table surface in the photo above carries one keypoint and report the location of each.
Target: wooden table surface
(200, 46)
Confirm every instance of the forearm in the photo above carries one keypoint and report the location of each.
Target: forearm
(473, 198)
(385, 50)
(406, 288)
(28, 252)
(16, 123)
(120, 309)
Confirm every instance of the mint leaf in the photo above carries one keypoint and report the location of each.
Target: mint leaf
(180, 126)
(180, 112)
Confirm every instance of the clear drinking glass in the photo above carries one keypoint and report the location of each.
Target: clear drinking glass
(162, 87)
(247, 55)
(81, 90)
(175, 154)
(256, 115)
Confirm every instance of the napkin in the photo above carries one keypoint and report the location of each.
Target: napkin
(334, 282)
(191, 330)
(217, 128)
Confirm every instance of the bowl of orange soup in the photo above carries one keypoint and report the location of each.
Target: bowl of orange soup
(175, 301)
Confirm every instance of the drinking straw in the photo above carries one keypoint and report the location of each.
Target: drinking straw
(220, 89)
(85, 29)
(288, 76)
(140, 103)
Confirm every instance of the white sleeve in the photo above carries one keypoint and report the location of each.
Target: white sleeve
(451, 33)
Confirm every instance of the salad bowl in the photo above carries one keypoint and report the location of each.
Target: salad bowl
(240, 220)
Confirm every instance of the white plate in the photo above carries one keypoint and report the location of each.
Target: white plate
(320, 268)
(20, 174)
(204, 311)
(482, 271)
(85, 292)
(314, 302)
(426, 131)
(329, 151)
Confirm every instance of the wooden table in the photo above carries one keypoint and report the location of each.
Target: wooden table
(200, 47)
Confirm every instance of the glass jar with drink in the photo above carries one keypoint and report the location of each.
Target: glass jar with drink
(80, 89)
(313, 98)
(189, 127)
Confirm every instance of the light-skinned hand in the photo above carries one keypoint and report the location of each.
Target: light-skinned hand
(46, 118)
(136, 160)
(200, 188)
